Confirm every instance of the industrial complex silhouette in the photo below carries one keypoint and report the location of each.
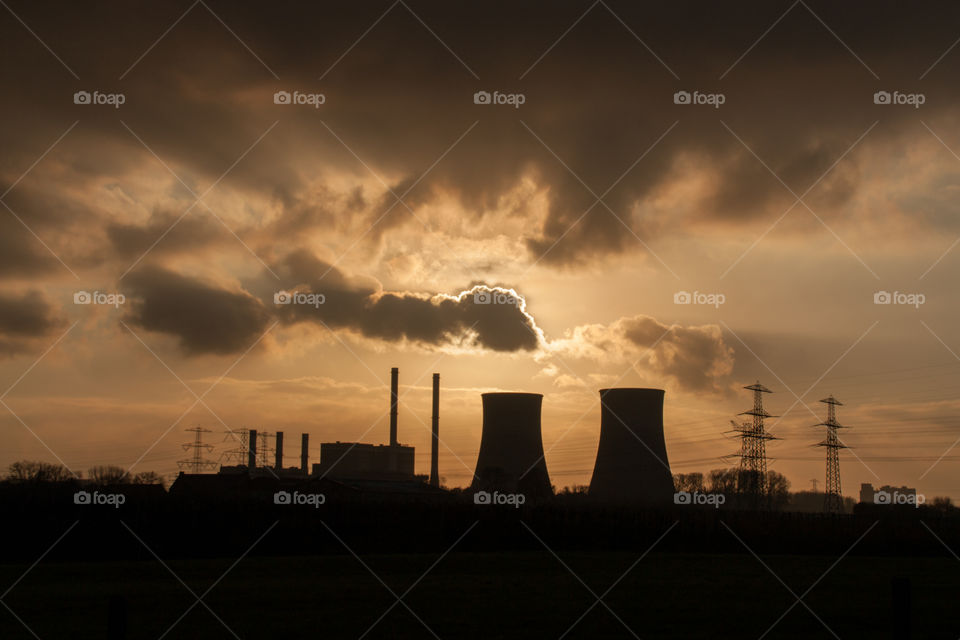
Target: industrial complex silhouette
(631, 464)
(632, 468)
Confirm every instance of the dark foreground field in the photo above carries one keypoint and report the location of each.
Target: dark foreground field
(484, 595)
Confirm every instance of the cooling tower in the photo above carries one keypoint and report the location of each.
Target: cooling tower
(632, 464)
(511, 448)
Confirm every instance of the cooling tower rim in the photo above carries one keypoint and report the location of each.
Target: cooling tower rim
(631, 389)
(512, 394)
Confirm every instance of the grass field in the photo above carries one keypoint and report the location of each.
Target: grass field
(498, 595)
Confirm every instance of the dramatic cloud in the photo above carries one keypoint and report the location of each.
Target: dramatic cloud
(204, 317)
(483, 317)
(594, 122)
(23, 319)
(696, 358)
(207, 318)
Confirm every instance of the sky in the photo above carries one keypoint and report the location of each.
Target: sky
(684, 196)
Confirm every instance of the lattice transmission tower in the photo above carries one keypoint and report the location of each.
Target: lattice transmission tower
(265, 449)
(752, 469)
(197, 463)
(237, 455)
(832, 497)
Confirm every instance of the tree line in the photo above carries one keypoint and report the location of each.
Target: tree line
(33, 471)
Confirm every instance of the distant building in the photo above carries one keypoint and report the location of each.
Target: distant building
(361, 461)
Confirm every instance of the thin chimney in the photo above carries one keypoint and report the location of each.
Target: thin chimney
(304, 457)
(394, 375)
(435, 425)
(252, 449)
(279, 462)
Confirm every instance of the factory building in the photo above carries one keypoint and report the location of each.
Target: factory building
(358, 461)
(361, 460)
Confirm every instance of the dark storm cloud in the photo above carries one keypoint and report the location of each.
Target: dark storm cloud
(481, 317)
(205, 318)
(400, 100)
(24, 318)
(208, 318)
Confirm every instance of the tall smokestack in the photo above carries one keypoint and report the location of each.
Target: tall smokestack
(435, 426)
(632, 465)
(252, 449)
(304, 457)
(511, 455)
(279, 463)
(394, 375)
